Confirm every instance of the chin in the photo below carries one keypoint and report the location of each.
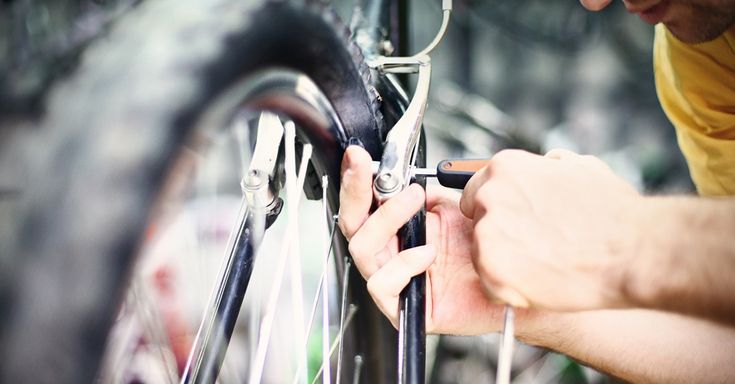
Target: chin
(695, 34)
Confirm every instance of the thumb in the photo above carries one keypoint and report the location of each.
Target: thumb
(469, 195)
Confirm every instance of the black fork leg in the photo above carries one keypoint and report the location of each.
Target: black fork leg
(413, 307)
(413, 298)
(211, 344)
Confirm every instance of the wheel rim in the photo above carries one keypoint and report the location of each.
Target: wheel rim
(297, 97)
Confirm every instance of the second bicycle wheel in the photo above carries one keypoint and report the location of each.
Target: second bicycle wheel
(167, 82)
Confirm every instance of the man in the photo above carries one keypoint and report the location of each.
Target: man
(562, 233)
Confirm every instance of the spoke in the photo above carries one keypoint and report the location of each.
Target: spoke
(294, 186)
(154, 330)
(136, 313)
(505, 356)
(267, 321)
(337, 340)
(325, 297)
(358, 370)
(345, 282)
(401, 344)
(315, 300)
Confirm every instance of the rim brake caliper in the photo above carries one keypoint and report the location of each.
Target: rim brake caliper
(399, 151)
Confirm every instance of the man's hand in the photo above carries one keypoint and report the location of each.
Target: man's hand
(552, 231)
(456, 302)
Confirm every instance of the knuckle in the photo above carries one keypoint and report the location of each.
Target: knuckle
(373, 288)
(355, 247)
(344, 226)
(348, 227)
(504, 155)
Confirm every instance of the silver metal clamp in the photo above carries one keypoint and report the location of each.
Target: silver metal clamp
(399, 151)
(400, 146)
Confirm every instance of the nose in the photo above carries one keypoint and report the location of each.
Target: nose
(595, 5)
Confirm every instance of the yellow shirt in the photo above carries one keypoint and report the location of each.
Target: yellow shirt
(696, 87)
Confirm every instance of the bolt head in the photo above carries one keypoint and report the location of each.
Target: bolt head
(387, 182)
(252, 179)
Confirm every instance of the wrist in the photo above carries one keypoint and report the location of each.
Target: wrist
(623, 247)
(542, 328)
(647, 270)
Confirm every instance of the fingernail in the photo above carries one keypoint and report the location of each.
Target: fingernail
(355, 141)
(347, 164)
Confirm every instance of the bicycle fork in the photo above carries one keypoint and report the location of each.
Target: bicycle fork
(401, 154)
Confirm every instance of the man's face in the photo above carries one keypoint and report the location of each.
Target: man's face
(691, 21)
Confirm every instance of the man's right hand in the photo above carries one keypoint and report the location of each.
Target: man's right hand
(558, 232)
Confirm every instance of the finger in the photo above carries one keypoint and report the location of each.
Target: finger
(386, 284)
(559, 153)
(467, 201)
(505, 294)
(382, 226)
(356, 193)
(486, 264)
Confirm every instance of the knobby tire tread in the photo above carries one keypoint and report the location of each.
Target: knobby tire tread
(143, 84)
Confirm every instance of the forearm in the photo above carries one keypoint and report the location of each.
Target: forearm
(637, 345)
(684, 259)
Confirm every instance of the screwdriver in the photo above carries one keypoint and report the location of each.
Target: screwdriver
(451, 173)
(455, 173)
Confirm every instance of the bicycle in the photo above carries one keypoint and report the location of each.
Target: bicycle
(83, 217)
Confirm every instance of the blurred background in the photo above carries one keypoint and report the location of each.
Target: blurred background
(537, 74)
(550, 69)
(557, 75)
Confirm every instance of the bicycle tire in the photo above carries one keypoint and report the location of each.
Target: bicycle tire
(85, 208)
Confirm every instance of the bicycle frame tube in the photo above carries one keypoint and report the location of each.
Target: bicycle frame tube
(385, 20)
(211, 352)
(399, 33)
(391, 18)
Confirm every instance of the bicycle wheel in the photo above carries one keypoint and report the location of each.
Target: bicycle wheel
(112, 135)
